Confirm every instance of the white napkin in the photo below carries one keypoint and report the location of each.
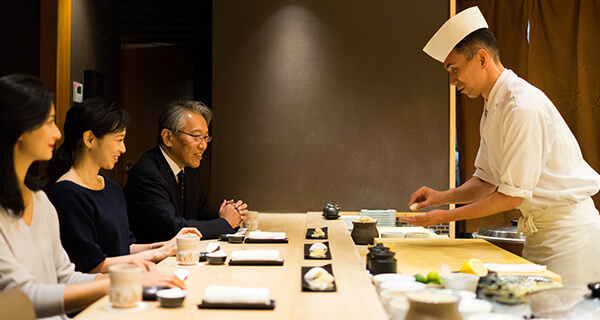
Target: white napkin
(262, 255)
(228, 294)
(266, 235)
(526, 267)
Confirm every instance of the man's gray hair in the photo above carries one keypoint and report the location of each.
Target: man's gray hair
(171, 116)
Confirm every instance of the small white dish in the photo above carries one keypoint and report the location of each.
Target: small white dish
(494, 316)
(417, 235)
(393, 234)
(398, 308)
(463, 294)
(406, 286)
(386, 277)
(171, 298)
(138, 307)
(462, 281)
(177, 264)
(471, 307)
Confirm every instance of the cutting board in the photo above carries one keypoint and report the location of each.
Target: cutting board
(424, 255)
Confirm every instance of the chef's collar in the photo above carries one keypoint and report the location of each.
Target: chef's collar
(453, 31)
(174, 167)
(490, 102)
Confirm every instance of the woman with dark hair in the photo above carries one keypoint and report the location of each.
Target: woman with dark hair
(91, 208)
(31, 255)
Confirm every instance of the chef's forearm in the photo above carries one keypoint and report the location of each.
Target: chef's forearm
(491, 204)
(472, 190)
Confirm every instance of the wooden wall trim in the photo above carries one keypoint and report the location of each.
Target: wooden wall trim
(55, 53)
(452, 182)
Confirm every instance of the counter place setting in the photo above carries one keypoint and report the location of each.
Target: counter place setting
(472, 275)
(259, 279)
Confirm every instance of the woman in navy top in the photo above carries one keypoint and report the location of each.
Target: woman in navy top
(92, 211)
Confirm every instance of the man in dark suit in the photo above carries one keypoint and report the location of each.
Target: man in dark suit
(163, 190)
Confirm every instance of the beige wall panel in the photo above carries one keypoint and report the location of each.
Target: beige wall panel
(327, 100)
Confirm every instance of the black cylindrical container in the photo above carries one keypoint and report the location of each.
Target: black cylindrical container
(383, 262)
(372, 250)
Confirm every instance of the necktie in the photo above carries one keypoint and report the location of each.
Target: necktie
(181, 187)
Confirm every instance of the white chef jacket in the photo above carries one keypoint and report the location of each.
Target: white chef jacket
(528, 151)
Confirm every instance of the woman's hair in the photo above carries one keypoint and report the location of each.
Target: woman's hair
(93, 114)
(24, 106)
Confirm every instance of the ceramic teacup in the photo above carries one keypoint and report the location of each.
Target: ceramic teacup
(251, 222)
(125, 285)
(187, 249)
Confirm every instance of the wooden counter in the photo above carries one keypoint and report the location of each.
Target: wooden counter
(424, 255)
(355, 298)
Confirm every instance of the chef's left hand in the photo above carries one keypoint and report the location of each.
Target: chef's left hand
(428, 219)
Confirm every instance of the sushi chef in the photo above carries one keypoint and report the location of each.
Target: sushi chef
(527, 159)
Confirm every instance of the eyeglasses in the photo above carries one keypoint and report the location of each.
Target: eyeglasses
(197, 137)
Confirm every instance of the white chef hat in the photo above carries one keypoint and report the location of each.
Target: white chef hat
(453, 31)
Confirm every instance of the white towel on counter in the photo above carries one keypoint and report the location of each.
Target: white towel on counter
(266, 235)
(526, 267)
(260, 255)
(229, 294)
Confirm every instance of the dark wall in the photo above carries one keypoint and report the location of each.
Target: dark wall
(20, 37)
(96, 43)
(327, 100)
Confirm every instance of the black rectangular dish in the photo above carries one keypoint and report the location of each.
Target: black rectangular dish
(278, 262)
(249, 240)
(310, 231)
(307, 251)
(245, 306)
(306, 287)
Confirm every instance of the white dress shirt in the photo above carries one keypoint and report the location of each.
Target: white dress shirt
(174, 167)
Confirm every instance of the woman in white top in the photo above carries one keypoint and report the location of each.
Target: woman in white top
(31, 255)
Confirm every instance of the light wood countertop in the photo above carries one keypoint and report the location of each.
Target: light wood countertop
(355, 298)
(424, 255)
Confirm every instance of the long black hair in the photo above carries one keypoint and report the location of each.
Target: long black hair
(24, 106)
(93, 114)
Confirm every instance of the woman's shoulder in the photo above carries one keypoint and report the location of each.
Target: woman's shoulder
(65, 187)
(111, 185)
(42, 205)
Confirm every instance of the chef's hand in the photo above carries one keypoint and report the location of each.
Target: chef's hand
(427, 219)
(425, 197)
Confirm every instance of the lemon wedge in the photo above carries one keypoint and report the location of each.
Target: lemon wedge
(474, 266)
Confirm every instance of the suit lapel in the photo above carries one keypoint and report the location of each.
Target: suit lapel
(167, 173)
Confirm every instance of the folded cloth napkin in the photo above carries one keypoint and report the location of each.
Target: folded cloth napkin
(526, 267)
(261, 255)
(266, 235)
(228, 294)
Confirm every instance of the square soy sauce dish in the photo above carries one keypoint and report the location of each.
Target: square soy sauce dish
(306, 287)
(310, 233)
(307, 255)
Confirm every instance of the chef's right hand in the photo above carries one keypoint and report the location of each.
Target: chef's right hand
(425, 197)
